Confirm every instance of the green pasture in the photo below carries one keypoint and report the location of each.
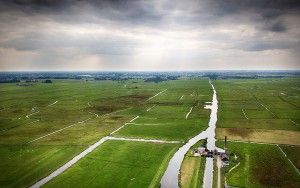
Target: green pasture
(51, 134)
(119, 164)
(260, 165)
(259, 103)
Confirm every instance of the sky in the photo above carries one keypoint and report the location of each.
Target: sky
(152, 35)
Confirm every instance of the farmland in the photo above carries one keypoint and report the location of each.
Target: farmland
(259, 165)
(128, 163)
(45, 125)
(261, 118)
(264, 110)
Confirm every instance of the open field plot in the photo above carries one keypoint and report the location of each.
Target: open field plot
(292, 152)
(167, 111)
(259, 165)
(260, 135)
(45, 125)
(192, 169)
(21, 166)
(267, 104)
(119, 164)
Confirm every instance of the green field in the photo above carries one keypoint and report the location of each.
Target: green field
(45, 125)
(260, 111)
(259, 165)
(247, 106)
(119, 164)
(168, 112)
(62, 120)
(292, 153)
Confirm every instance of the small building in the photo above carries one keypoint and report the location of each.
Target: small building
(200, 151)
(225, 159)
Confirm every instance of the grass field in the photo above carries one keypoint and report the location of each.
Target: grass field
(259, 165)
(260, 111)
(168, 112)
(292, 153)
(119, 164)
(249, 107)
(45, 125)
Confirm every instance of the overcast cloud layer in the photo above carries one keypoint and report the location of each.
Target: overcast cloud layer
(149, 35)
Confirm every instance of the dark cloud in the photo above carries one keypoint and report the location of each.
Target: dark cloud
(277, 27)
(205, 12)
(88, 44)
(49, 27)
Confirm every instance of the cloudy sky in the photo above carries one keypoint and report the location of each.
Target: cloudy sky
(150, 35)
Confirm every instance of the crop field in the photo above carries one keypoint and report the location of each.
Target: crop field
(260, 110)
(119, 164)
(169, 111)
(45, 125)
(292, 152)
(259, 165)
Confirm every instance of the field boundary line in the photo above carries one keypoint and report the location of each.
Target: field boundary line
(235, 166)
(156, 94)
(59, 130)
(52, 104)
(181, 98)
(187, 115)
(151, 108)
(288, 159)
(124, 125)
(28, 116)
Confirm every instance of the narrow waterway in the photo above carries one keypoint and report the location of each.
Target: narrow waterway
(170, 177)
(211, 141)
